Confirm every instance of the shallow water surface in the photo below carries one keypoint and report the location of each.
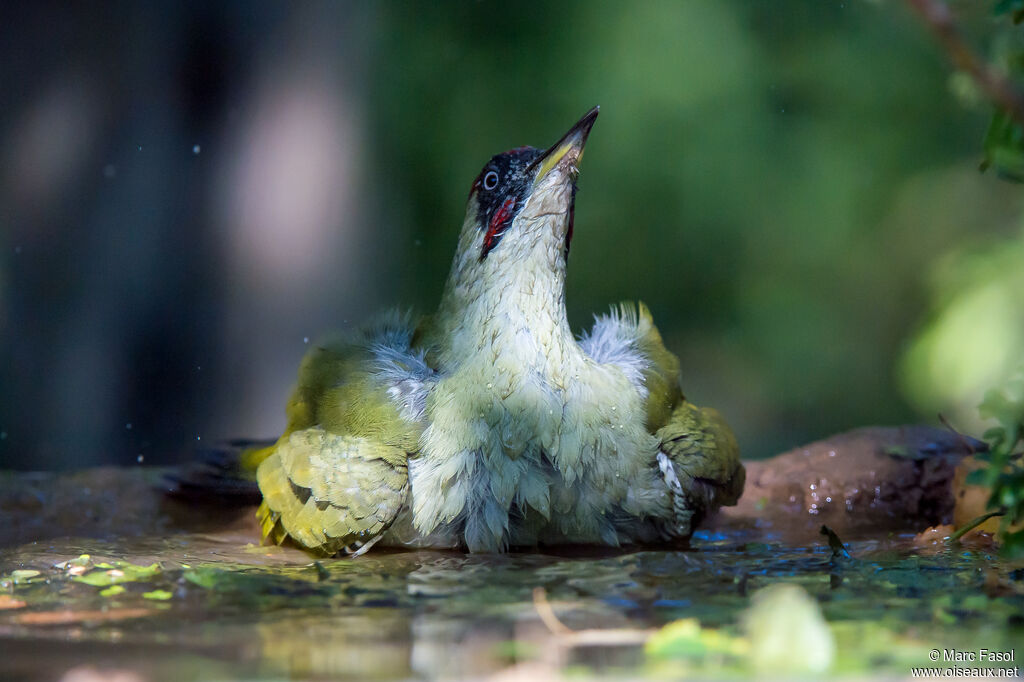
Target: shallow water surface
(218, 606)
(162, 590)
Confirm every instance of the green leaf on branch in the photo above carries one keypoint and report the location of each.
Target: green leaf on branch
(1015, 8)
(1006, 406)
(1013, 544)
(1004, 473)
(1004, 147)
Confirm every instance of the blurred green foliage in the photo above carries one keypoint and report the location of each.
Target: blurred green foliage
(1005, 472)
(1004, 141)
(974, 337)
(773, 179)
(1015, 8)
(791, 186)
(1004, 147)
(996, 280)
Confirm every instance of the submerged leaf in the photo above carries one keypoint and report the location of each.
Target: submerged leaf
(204, 577)
(161, 595)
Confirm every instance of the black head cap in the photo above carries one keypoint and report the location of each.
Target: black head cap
(506, 181)
(501, 190)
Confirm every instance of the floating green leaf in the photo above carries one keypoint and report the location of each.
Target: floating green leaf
(24, 576)
(112, 591)
(81, 560)
(106, 574)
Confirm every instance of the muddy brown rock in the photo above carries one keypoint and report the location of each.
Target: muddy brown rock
(863, 484)
(101, 502)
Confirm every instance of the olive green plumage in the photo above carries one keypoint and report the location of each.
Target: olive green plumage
(661, 376)
(706, 460)
(696, 440)
(488, 425)
(338, 476)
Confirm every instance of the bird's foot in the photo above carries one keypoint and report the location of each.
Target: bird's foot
(359, 548)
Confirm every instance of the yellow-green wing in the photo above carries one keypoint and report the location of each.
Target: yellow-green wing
(322, 367)
(331, 492)
(338, 475)
(700, 463)
(661, 375)
(705, 454)
(699, 457)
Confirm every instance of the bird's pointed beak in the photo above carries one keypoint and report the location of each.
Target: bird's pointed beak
(567, 152)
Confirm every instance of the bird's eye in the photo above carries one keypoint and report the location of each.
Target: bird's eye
(490, 180)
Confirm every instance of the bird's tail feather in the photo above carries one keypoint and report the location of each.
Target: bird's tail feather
(222, 475)
(270, 524)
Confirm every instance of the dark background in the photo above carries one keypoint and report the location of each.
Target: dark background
(192, 192)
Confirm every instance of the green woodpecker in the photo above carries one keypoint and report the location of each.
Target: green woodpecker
(488, 425)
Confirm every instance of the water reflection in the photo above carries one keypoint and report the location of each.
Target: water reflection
(266, 612)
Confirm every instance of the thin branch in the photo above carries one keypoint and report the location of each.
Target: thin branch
(547, 614)
(974, 523)
(963, 439)
(567, 637)
(936, 15)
